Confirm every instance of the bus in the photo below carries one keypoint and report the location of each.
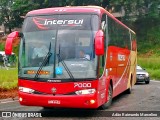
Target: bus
(52, 74)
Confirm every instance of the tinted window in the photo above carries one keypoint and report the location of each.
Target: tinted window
(69, 22)
(119, 35)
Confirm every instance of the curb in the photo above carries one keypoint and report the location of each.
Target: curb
(8, 99)
(155, 80)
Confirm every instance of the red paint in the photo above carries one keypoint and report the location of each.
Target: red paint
(9, 42)
(76, 101)
(99, 43)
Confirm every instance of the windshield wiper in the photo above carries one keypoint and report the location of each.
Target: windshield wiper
(65, 66)
(44, 62)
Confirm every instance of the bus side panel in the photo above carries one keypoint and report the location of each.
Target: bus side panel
(111, 65)
(118, 65)
(133, 69)
(102, 89)
(123, 68)
(133, 59)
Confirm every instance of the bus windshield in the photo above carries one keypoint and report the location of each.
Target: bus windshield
(69, 40)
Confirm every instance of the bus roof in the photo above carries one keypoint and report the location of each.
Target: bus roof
(75, 9)
(67, 9)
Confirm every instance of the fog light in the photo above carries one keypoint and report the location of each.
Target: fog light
(20, 99)
(92, 101)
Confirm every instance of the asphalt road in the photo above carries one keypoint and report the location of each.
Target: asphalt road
(143, 98)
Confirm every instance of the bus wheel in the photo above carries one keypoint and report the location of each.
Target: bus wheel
(129, 90)
(109, 102)
(48, 108)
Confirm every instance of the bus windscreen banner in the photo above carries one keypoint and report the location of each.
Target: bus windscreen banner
(53, 22)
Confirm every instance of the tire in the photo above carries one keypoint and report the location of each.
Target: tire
(147, 82)
(109, 102)
(129, 90)
(48, 108)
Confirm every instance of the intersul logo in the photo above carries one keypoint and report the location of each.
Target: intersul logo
(44, 23)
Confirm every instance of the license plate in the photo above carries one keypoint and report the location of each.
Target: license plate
(141, 77)
(54, 102)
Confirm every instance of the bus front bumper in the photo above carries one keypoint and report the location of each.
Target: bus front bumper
(66, 101)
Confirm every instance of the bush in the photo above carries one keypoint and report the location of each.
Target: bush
(152, 65)
(1, 46)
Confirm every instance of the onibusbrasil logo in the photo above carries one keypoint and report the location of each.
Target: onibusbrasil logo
(46, 23)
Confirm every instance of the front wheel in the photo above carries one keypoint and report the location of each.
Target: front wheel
(147, 82)
(48, 108)
(109, 102)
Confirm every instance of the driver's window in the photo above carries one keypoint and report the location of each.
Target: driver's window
(84, 49)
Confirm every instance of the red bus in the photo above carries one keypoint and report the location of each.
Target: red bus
(52, 73)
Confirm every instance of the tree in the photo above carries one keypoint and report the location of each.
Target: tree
(57, 3)
(105, 3)
(143, 16)
(20, 8)
(13, 11)
(5, 14)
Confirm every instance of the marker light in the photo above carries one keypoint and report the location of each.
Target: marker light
(85, 92)
(26, 90)
(92, 101)
(20, 99)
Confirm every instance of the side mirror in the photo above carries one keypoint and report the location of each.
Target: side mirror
(99, 43)
(9, 42)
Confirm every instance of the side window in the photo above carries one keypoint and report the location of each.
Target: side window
(112, 31)
(133, 42)
(124, 35)
(118, 35)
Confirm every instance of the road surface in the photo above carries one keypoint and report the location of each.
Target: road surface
(143, 98)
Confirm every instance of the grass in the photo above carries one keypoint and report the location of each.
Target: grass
(152, 65)
(8, 79)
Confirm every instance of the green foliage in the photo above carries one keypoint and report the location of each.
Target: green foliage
(1, 47)
(5, 13)
(148, 35)
(8, 78)
(151, 64)
(143, 16)
(154, 73)
(12, 12)
(16, 50)
(153, 35)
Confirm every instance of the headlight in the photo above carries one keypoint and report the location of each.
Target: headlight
(26, 90)
(85, 92)
(147, 75)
